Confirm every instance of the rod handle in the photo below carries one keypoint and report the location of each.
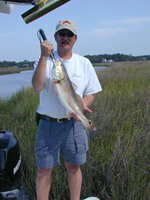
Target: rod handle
(43, 34)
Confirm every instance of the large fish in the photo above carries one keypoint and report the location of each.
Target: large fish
(65, 90)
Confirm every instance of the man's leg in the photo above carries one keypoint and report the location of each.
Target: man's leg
(74, 180)
(43, 183)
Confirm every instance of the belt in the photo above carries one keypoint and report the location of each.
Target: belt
(47, 118)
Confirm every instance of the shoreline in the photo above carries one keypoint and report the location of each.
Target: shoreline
(13, 70)
(4, 71)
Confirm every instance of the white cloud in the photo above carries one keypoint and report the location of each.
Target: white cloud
(5, 35)
(114, 27)
(103, 32)
(135, 20)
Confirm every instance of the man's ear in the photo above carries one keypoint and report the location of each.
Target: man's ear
(55, 37)
(75, 38)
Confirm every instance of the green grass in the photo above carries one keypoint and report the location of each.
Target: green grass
(118, 160)
(13, 70)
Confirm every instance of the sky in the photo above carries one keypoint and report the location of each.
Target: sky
(103, 27)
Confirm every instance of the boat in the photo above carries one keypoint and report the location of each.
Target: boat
(10, 166)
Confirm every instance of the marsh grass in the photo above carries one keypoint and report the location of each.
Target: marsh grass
(118, 160)
(13, 70)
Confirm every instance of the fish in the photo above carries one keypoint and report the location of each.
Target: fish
(66, 92)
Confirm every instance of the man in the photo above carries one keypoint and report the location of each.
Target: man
(55, 132)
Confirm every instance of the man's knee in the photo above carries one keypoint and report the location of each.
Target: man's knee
(72, 168)
(44, 172)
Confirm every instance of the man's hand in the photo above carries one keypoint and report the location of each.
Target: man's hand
(86, 110)
(75, 116)
(46, 48)
(87, 101)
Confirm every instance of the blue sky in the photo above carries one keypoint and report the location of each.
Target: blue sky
(103, 26)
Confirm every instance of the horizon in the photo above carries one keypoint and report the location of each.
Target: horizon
(84, 56)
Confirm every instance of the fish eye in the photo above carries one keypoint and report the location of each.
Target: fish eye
(90, 123)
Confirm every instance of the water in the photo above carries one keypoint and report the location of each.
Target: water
(12, 83)
(97, 68)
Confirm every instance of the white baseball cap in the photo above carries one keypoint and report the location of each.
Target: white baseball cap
(66, 24)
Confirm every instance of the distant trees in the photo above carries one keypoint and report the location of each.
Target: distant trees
(116, 57)
(94, 59)
(25, 63)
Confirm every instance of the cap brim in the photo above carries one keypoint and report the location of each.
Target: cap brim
(62, 28)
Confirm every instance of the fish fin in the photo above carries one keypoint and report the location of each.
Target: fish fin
(74, 86)
(56, 82)
(68, 115)
(56, 92)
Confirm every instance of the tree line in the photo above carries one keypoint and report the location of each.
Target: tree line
(22, 64)
(116, 57)
(93, 58)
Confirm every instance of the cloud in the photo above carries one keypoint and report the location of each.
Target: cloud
(5, 35)
(128, 21)
(103, 32)
(114, 27)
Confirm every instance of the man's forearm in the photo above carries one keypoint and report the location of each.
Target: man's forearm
(88, 100)
(38, 79)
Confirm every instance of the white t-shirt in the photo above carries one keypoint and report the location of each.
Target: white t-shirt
(80, 72)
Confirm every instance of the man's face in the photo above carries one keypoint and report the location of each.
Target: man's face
(65, 40)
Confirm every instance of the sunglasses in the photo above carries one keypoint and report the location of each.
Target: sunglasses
(63, 34)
